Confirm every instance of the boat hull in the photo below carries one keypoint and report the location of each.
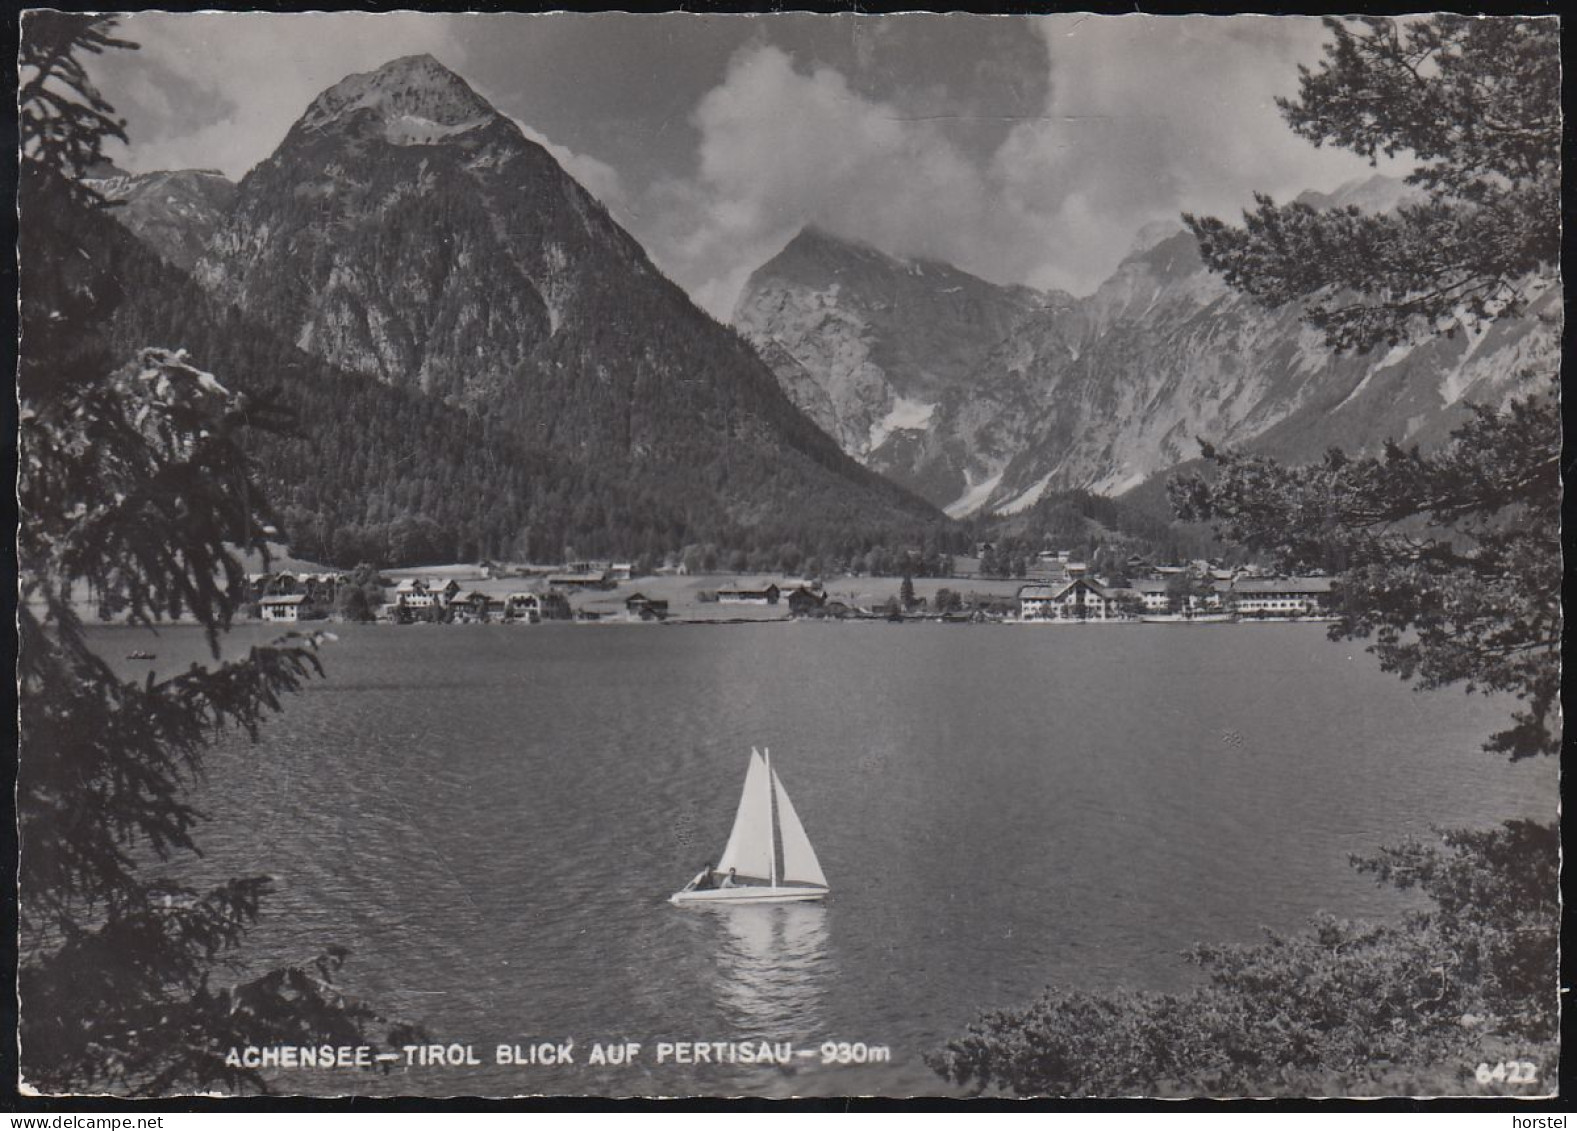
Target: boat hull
(740, 895)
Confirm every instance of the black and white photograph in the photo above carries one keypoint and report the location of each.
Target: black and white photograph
(788, 555)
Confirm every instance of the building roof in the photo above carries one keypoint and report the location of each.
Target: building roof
(1078, 581)
(1057, 592)
(295, 600)
(1282, 585)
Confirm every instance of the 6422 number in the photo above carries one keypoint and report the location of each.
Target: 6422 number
(1508, 1072)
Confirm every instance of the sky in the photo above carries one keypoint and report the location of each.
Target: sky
(1022, 149)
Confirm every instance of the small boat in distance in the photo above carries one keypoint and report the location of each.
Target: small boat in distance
(139, 654)
(765, 817)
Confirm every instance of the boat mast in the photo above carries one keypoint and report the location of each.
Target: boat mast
(772, 839)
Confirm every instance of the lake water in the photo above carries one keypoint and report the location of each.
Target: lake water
(492, 819)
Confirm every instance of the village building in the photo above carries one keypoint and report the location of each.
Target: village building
(284, 584)
(1279, 596)
(805, 601)
(477, 606)
(412, 593)
(740, 595)
(579, 579)
(444, 592)
(621, 571)
(322, 588)
(285, 609)
(417, 593)
(524, 606)
(638, 606)
(1153, 593)
(1078, 599)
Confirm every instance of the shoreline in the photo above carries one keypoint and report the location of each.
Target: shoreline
(675, 622)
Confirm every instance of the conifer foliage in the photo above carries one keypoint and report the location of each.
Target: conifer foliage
(134, 489)
(1476, 103)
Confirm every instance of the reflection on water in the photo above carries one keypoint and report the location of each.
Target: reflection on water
(772, 966)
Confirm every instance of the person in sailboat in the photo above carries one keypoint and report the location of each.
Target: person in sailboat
(728, 880)
(706, 880)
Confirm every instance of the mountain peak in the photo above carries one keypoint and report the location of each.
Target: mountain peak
(1374, 194)
(814, 235)
(415, 89)
(817, 249)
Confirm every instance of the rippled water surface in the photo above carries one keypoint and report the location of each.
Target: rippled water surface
(492, 819)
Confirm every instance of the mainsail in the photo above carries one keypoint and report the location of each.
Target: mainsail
(749, 849)
(799, 858)
(765, 818)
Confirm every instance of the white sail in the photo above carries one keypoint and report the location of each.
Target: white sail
(749, 849)
(799, 858)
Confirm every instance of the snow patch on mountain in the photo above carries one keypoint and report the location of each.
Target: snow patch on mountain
(413, 129)
(1455, 381)
(905, 414)
(975, 497)
(1028, 498)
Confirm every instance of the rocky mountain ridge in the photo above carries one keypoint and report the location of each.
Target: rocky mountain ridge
(1104, 392)
(870, 345)
(176, 212)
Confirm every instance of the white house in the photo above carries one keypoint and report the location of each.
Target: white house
(412, 593)
(1154, 595)
(1157, 597)
(282, 608)
(1079, 599)
(524, 606)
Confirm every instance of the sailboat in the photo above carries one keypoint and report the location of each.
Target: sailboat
(765, 819)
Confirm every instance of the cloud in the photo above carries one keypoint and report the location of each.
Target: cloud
(781, 148)
(1152, 116)
(1144, 117)
(221, 90)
